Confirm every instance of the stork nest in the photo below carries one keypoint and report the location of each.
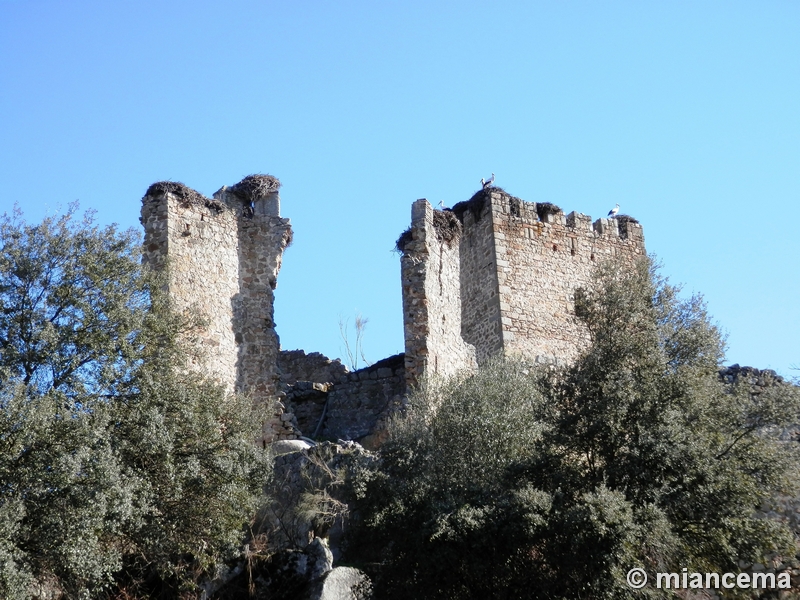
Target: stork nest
(626, 219)
(184, 193)
(476, 203)
(446, 225)
(547, 208)
(255, 186)
(405, 238)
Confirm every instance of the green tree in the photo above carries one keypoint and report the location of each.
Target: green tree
(118, 467)
(432, 517)
(518, 483)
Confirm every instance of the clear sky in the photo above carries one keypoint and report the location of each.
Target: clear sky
(687, 114)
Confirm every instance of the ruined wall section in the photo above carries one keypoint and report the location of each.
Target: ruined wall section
(430, 271)
(505, 284)
(543, 256)
(362, 402)
(480, 315)
(200, 240)
(263, 236)
(296, 365)
(332, 403)
(223, 257)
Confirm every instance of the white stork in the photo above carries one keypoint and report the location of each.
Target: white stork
(613, 212)
(485, 184)
(441, 205)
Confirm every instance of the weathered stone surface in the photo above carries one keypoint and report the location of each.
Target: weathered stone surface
(281, 447)
(342, 583)
(356, 406)
(321, 558)
(315, 469)
(361, 407)
(223, 258)
(296, 365)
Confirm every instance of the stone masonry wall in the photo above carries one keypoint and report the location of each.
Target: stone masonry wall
(540, 263)
(263, 236)
(201, 243)
(431, 276)
(361, 403)
(296, 365)
(306, 380)
(481, 325)
(504, 282)
(355, 406)
(223, 257)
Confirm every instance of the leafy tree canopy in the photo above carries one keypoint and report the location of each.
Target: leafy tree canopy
(526, 483)
(119, 468)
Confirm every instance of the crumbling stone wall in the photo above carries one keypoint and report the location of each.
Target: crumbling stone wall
(504, 283)
(432, 296)
(200, 239)
(356, 406)
(360, 404)
(223, 256)
(296, 365)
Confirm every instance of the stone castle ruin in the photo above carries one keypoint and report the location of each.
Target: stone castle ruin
(497, 275)
(493, 275)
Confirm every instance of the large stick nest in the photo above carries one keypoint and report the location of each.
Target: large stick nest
(445, 224)
(476, 203)
(255, 186)
(626, 219)
(176, 188)
(547, 208)
(405, 238)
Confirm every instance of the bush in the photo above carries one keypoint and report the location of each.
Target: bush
(524, 483)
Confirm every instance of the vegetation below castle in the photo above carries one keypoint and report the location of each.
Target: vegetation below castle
(521, 483)
(120, 474)
(124, 476)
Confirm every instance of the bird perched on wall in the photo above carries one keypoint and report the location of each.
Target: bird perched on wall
(485, 183)
(441, 205)
(613, 212)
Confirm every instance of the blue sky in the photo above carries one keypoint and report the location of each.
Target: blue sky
(685, 113)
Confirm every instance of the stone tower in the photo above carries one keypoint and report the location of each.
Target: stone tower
(497, 275)
(223, 256)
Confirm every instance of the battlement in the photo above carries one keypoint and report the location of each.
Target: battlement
(498, 274)
(537, 214)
